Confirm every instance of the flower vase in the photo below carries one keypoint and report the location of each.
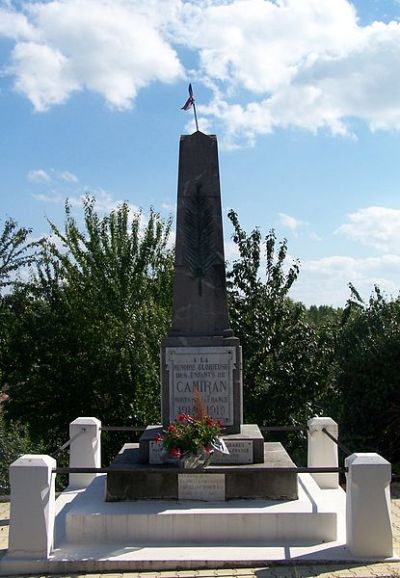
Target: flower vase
(189, 460)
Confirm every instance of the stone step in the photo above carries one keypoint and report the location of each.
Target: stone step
(85, 518)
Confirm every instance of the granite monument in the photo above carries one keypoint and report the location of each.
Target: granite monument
(200, 354)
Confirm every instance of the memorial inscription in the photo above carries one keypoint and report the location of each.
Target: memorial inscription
(209, 370)
(240, 452)
(205, 487)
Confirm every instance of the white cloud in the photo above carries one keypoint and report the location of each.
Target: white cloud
(231, 251)
(269, 63)
(308, 65)
(377, 227)
(113, 47)
(51, 176)
(61, 185)
(290, 222)
(42, 74)
(260, 44)
(105, 202)
(14, 24)
(48, 198)
(171, 240)
(325, 281)
(169, 207)
(38, 176)
(68, 177)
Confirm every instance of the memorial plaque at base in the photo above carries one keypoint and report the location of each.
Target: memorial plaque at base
(240, 452)
(205, 487)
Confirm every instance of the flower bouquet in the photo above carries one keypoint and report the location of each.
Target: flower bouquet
(190, 442)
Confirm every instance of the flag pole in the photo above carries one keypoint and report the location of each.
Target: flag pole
(189, 103)
(195, 116)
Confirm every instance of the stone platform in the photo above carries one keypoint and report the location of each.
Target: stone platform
(219, 481)
(237, 522)
(85, 540)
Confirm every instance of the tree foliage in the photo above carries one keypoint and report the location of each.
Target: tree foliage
(285, 359)
(14, 442)
(368, 374)
(82, 337)
(16, 251)
(86, 337)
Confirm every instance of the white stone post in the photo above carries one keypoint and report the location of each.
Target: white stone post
(322, 451)
(32, 510)
(368, 520)
(85, 449)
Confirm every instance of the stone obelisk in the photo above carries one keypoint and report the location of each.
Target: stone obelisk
(200, 352)
(200, 355)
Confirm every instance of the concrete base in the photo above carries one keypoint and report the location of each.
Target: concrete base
(153, 481)
(165, 523)
(89, 537)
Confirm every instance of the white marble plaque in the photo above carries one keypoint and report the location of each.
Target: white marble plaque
(154, 452)
(240, 452)
(205, 487)
(206, 369)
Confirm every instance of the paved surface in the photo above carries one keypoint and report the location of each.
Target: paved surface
(294, 571)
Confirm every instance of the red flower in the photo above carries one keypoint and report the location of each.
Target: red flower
(218, 423)
(171, 427)
(182, 417)
(175, 453)
(209, 421)
(157, 438)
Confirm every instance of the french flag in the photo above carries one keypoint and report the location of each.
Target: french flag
(190, 101)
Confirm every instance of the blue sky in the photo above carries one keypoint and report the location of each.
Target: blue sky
(304, 97)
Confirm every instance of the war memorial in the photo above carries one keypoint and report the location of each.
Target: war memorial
(248, 504)
(201, 353)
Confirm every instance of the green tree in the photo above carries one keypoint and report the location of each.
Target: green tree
(16, 251)
(323, 315)
(368, 374)
(14, 442)
(86, 339)
(286, 360)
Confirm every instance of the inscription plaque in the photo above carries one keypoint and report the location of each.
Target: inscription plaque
(240, 452)
(206, 369)
(205, 487)
(155, 452)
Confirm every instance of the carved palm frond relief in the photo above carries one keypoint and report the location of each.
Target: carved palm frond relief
(200, 250)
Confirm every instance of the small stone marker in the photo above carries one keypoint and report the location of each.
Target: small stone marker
(155, 452)
(205, 487)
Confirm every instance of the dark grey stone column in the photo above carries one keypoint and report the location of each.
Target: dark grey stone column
(200, 351)
(200, 304)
